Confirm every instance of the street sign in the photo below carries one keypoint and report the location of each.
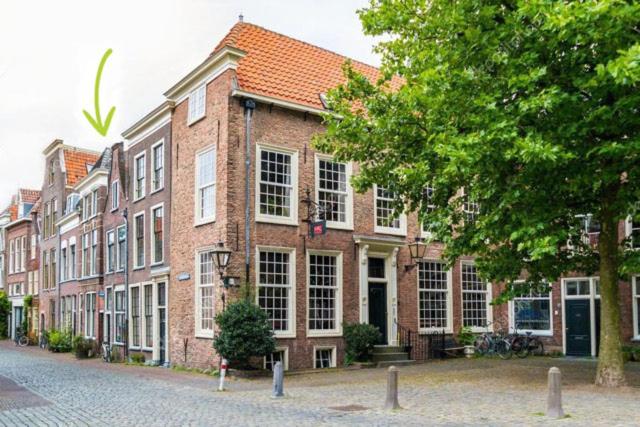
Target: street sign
(317, 228)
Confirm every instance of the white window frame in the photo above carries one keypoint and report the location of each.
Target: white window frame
(23, 254)
(72, 259)
(120, 255)
(334, 351)
(11, 256)
(34, 244)
(135, 240)
(199, 331)
(291, 314)
(160, 185)
(130, 328)
(400, 231)
(535, 332)
(337, 330)
(449, 272)
(94, 252)
(143, 316)
(489, 308)
(143, 187)
(469, 207)
(116, 312)
(152, 235)
(86, 308)
(285, 359)
(629, 229)
(292, 219)
(64, 261)
(196, 96)
(348, 223)
(201, 220)
(635, 300)
(109, 268)
(86, 253)
(115, 195)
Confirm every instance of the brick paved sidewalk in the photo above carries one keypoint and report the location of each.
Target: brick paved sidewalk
(456, 392)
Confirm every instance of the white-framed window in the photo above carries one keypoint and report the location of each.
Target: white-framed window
(324, 357)
(34, 245)
(45, 270)
(280, 355)
(120, 315)
(429, 206)
(205, 186)
(90, 315)
(111, 251)
(23, 253)
(276, 288)
(632, 231)
(157, 234)
(476, 296)
(108, 309)
(138, 243)
(115, 195)
(72, 261)
(18, 261)
(577, 287)
(434, 296)
(36, 282)
(54, 269)
(94, 252)
(197, 103)
(64, 267)
(134, 306)
(324, 279)
(147, 295)
(334, 192)
(635, 284)
(86, 258)
(470, 207)
(384, 219)
(11, 256)
(205, 293)
(157, 163)
(277, 185)
(122, 242)
(532, 313)
(139, 172)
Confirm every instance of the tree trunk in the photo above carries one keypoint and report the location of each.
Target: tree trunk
(610, 362)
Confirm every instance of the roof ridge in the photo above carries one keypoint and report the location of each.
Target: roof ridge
(240, 24)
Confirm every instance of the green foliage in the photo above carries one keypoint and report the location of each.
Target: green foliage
(359, 340)
(81, 346)
(59, 341)
(28, 301)
(5, 309)
(465, 336)
(244, 332)
(137, 358)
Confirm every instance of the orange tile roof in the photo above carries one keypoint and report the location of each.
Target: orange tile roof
(281, 67)
(76, 161)
(29, 196)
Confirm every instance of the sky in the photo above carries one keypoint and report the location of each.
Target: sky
(50, 50)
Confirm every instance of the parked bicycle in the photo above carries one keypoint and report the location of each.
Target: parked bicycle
(490, 343)
(106, 352)
(524, 345)
(22, 339)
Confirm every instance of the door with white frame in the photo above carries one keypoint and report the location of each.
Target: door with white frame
(581, 316)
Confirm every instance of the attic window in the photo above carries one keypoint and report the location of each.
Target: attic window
(197, 100)
(323, 99)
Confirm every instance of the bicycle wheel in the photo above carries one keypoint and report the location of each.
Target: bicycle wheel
(536, 347)
(23, 341)
(503, 348)
(482, 345)
(519, 347)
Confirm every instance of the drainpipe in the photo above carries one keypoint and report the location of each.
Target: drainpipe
(126, 283)
(249, 106)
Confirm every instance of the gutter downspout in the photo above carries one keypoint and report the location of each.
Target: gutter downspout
(125, 214)
(249, 106)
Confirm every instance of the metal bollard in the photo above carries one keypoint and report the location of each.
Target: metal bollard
(554, 400)
(392, 389)
(278, 381)
(223, 373)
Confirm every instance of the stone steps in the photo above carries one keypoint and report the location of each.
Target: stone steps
(385, 355)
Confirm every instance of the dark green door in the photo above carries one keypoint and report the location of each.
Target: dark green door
(578, 327)
(597, 307)
(378, 308)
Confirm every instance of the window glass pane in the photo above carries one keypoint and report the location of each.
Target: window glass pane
(433, 294)
(532, 314)
(323, 289)
(273, 358)
(273, 292)
(384, 208)
(324, 358)
(474, 297)
(275, 183)
(376, 268)
(332, 194)
(206, 291)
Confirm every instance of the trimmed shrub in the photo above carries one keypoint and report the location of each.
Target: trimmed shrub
(244, 332)
(82, 347)
(137, 358)
(59, 341)
(359, 340)
(5, 309)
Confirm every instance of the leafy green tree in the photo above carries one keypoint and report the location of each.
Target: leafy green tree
(5, 309)
(245, 332)
(531, 107)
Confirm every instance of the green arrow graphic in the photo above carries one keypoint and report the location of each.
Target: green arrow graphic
(97, 123)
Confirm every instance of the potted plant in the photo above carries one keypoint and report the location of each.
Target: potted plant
(466, 338)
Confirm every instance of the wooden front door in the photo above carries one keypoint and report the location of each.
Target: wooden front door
(378, 308)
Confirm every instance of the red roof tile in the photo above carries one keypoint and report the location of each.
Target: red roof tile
(76, 162)
(281, 67)
(29, 196)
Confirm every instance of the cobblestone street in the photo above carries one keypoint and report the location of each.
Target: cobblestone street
(40, 388)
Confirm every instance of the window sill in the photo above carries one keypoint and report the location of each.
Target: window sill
(115, 209)
(283, 335)
(196, 120)
(427, 331)
(327, 334)
(149, 349)
(156, 264)
(204, 335)
(157, 190)
(200, 222)
(339, 226)
(138, 199)
(277, 220)
(391, 231)
(138, 268)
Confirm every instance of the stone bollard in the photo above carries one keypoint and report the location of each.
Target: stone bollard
(278, 381)
(392, 389)
(554, 400)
